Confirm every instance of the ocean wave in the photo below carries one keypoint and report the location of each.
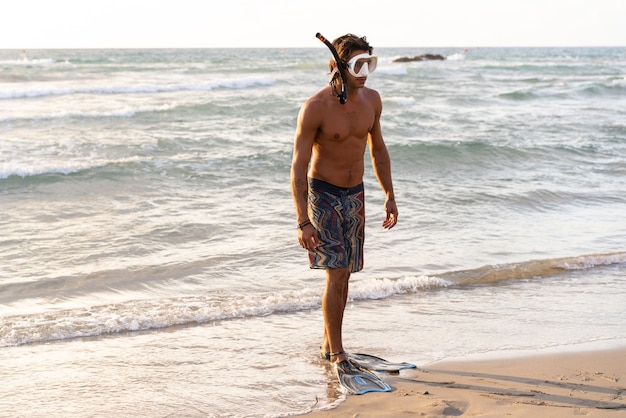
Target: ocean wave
(471, 153)
(504, 152)
(531, 269)
(520, 95)
(459, 56)
(125, 112)
(614, 88)
(40, 91)
(29, 62)
(401, 101)
(389, 70)
(24, 170)
(144, 315)
(609, 88)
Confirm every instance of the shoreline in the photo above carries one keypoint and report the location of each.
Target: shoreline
(589, 383)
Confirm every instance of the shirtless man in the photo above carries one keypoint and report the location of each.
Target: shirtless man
(329, 199)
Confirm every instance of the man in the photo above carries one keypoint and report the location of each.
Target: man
(331, 137)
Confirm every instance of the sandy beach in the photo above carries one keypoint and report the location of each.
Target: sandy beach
(589, 384)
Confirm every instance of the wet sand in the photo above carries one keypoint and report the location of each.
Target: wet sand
(589, 384)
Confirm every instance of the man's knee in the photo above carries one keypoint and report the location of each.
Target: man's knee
(338, 272)
(338, 276)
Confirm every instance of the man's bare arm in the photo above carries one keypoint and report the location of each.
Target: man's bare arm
(302, 151)
(381, 162)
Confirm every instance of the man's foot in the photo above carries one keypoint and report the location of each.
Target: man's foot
(337, 357)
(346, 367)
(324, 355)
(334, 357)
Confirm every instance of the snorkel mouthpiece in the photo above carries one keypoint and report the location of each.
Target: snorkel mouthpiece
(341, 67)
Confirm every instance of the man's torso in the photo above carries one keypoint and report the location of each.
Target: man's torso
(341, 140)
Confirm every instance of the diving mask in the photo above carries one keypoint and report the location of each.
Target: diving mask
(363, 64)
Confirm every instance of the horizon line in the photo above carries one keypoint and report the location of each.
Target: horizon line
(297, 47)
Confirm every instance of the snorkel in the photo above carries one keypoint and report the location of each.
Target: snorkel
(341, 66)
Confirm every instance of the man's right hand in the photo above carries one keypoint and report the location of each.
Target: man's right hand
(308, 238)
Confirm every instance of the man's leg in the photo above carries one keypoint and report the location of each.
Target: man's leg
(333, 305)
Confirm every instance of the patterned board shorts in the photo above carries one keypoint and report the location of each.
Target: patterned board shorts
(338, 214)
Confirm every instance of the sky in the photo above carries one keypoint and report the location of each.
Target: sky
(31, 24)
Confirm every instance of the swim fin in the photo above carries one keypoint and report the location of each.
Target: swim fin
(358, 381)
(377, 364)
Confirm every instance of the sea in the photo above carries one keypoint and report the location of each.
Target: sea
(149, 263)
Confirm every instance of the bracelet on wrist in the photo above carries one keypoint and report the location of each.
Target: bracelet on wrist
(303, 224)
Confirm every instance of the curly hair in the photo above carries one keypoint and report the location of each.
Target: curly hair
(345, 46)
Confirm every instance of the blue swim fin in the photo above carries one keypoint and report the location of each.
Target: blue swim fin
(358, 381)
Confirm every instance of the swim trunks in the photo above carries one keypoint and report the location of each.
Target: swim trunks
(338, 215)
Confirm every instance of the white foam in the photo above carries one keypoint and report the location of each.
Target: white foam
(589, 261)
(402, 101)
(392, 70)
(124, 112)
(162, 313)
(459, 56)
(384, 288)
(26, 62)
(27, 168)
(52, 90)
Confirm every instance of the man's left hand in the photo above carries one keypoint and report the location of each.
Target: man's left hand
(391, 214)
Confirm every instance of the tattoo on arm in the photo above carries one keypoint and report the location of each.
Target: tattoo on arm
(301, 184)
